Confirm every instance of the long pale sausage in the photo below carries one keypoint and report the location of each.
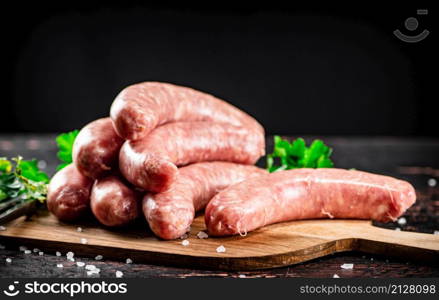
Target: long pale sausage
(170, 213)
(96, 148)
(68, 195)
(307, 194)
(151, 163)
(140, 108)
(113, 202)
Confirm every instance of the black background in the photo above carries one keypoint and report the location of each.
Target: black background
(331, 70)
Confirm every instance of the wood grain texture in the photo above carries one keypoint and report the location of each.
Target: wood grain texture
(272, 246)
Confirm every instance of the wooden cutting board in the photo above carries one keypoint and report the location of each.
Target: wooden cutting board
(273, 246)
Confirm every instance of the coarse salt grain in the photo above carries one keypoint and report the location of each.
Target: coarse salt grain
(202, 235)
(397, 229)
(70, 254)
(335, 276)
(90, 267)
(185, 242)
(58, 253)
(2, 247)
(79, 229)
(241, 276)
(22, 248)
(129, 261)
(36, 250)
(99, 257)
(59, 265)
(41, 253)
(94, 272)
(84, 241)
(27, 252)
(221, 249)
(402, 221)
(432, 182)
(8, 260)
(119, 274)
(436, 232)
(71, 259)
(80, 264)
(2, 228)
(347, 266)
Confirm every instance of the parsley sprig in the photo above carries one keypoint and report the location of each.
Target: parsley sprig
(295, 154)
(65, 145)
(22, 179)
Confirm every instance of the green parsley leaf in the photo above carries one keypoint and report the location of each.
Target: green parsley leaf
(65, 145)
(294, 155)
(29, 169)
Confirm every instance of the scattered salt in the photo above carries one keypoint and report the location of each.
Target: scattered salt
(80, 264)
(8, 260)
(22, 248)
(70, 254)
(371, 259)
(71, 259)
(90, 267)
(41, 253)
(241, 276)
(432, 182)
(402, 221)
(119, 274)
(335, 276)
(58, 253)
(202, 235)
(59, 265)
(2, 247)
(398, 229)
(27, 252)
(79, 229)
(94, 272)
(84, 241)
(99, 257)
(36, 250)
(184, 236)
(436, 232)
(185, 242)
(221, 249)
(129, 261)
(2, 228)
(347, 266)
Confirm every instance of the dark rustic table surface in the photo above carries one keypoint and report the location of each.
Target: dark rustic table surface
(412, 159)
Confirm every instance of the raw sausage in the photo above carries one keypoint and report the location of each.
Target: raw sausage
(113, 203)
(307, 194)
(170, 213)
(151, 163)
(68, 194)
(96, 148)
(140, 108)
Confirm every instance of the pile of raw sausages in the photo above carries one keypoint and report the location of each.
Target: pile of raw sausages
(168, 151)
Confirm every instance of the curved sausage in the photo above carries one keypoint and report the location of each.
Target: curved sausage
(113, 203)
(96, 148)
(307, 194)
(141, 107)
(170, 213)
(68, 194)
(151, 163)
